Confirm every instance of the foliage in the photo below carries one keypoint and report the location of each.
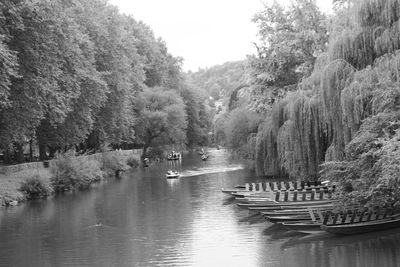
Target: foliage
(345, 113)
(156, 152)
(133, 162)
(198, 118)
(239, 124)
(70, 77)
(161, 118)
(36, 187)
(70, 173)
(113, 163)
(221, 80)
(291, 39)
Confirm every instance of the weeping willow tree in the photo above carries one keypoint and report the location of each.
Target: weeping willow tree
(300, 139)
(266, 156)
(346, 114)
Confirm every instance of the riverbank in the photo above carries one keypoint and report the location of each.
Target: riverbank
(10, 184)
(12, 177)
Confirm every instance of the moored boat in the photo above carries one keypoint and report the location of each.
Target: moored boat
(363, 226)
(305, 227)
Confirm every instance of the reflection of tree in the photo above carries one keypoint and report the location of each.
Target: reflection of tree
(370, 249)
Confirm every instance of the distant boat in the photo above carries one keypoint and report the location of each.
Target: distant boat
(201, 152)
(174, 156)
(172, 174)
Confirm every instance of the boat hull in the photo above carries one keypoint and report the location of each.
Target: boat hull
(305, 227)
(363, 227)
(267, 204)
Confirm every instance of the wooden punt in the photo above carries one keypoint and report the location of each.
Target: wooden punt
(267, 204)
(362, 222)
(290, 197)
(305, 227)
(300, 211)
(312, 226)
(285, 207)
(278, 219)
(274, 186)
(271, 194)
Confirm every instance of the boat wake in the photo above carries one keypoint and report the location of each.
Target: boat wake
(209, 170)
(100, 225)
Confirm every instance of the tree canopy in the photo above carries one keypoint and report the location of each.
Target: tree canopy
(72, 72)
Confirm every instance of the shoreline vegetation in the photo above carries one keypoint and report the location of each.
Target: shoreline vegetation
(65, 173)
(322, 101)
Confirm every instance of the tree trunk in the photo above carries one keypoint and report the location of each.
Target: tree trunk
(52, 151)
(42, 152)
(30, 150)
(7, 157)
(19, 153)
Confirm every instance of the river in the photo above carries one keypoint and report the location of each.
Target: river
(144, 219)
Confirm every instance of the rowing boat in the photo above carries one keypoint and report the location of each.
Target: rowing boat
(274, 186)
(267, 204)
(305, 227)
(278, 219)
(363, 226)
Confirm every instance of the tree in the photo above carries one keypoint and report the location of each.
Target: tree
(291, 39)
(198, 123)
(239, 125)
(161, 118)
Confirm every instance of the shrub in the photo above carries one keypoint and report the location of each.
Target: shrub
(132, 162)
(155, 152)
(70, 173)
(36, 187)
(113, 163)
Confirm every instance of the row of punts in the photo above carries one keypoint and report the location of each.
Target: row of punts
(309, 208)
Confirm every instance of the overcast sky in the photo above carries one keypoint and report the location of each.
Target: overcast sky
(203, 32)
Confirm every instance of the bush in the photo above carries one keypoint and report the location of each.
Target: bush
(133, 162)
(113, 163)
(70, 173)
(35, 188)
(156, 152)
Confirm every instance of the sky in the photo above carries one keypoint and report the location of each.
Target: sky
(203, 32)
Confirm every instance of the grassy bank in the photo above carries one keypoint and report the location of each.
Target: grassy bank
(10, 184)
(68, 173)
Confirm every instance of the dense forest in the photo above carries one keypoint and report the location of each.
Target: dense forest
(323, 98)
(79, 74)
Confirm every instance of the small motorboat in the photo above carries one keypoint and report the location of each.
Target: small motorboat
(172, 174)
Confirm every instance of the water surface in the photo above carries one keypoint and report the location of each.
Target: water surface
(144, 219)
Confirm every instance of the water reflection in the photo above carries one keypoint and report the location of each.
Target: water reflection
(372, 249)
(173, 183)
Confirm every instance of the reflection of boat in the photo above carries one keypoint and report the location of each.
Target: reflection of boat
(174, 156)
(172, 174)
